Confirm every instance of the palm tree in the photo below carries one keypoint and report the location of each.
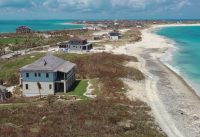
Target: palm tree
(39, 88)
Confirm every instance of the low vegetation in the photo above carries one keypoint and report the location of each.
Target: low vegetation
(130, 36)
(23, 42)
(99, 118)
(79, 89)
(10, 68)
(13, 40)
(111, 114)
(108, 68)
(16, 42)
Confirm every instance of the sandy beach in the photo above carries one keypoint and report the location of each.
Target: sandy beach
(174, 104)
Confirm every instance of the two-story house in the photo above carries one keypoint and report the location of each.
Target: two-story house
(115, 35)
(47, 76)
(76, 44)
(23, 29)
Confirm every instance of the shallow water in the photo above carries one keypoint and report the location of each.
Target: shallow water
(37, 25)
(187, 58)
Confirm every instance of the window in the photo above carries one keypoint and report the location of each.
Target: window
(39, 75)
(26, 86)
(47, 75)
(84, 47)
(35, 74)
(50, 86)
(27, 75)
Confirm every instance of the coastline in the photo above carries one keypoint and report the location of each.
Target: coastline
(190, 88)
(38, 26)
(172, 25)
(170, 52)
(180, 97)
(174, 103)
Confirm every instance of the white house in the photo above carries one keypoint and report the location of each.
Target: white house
(47, 76)
(76, 44)
(114, 35)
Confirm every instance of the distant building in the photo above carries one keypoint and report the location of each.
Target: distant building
(76, 44)
(92, 27)
(63, 46)
(47, 76)
(23, 29)
(114, 35)
(102, 25)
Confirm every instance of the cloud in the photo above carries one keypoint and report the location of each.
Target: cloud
(181, 3)
(16, 3)
(73, 5)
(129, 3)
(97, 6)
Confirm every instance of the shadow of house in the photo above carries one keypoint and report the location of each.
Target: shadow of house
(76, 83)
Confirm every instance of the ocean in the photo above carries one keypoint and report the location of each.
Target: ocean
(186, 59)
(7, 26)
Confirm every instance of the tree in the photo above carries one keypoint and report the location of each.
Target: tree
(39, 88)
(16, 42)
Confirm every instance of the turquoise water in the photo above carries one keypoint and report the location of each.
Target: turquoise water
(187, 58)
(37, 25)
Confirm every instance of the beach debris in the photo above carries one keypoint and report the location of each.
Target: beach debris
(4, 94)
(195, 117)
(125, 124)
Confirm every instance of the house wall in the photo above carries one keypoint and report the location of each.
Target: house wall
(80, 47)
(75, 47)
(42, 78)
(33, 89)
(32, 82)
(23, 30)
(114, 37)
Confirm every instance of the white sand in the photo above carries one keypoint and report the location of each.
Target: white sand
(174, 104)
(102, 32)
(173, 25)
(89, 91)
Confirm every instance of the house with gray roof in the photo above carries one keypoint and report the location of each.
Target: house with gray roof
(23, 29)
(76, 44)
(47, 76)
(115, 35)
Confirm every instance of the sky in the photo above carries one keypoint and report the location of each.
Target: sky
(99, 9)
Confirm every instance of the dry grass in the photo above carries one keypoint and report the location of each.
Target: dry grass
(108, 68)
(111, 114)
(131, 36)
(100, 118)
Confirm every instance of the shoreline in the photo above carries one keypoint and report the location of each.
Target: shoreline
(181, 78)
(174, 103)
(173, 25)
(170, 52)
(180, 102)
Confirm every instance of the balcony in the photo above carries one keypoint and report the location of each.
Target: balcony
(60, 76)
